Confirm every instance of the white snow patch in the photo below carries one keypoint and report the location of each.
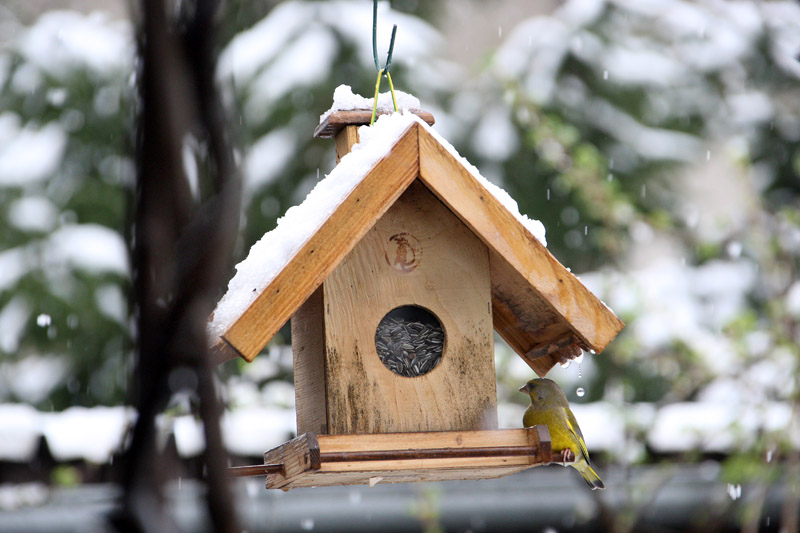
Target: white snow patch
(250, 50)
(792, 299)
(250, 431)
(602, 425)
(90, 247)
(694, 426)
(13, 265)
(112, 303)
(33, 378)
(29, 154)
(189, 434)
(279, 393)
(305, 62)
(20, 429)
(267, 157)
(13, 318)
(62, 41)
(495, 137)
(92, 434)
(33, 213)
(642, 67)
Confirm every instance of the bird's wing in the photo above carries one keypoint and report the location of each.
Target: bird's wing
(576, 430)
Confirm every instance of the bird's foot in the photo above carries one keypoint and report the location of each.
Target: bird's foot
(567, 456)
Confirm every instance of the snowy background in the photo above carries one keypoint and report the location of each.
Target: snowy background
(658, 142)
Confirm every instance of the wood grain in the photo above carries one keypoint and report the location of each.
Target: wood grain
(446, 273)
(308, 355)
(518, 259)
(344, 140)
(324, 250)
(298, 457)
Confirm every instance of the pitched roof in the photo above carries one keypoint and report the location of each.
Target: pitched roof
(543, 311)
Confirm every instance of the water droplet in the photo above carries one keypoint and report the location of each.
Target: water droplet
(548, 194)
(580, 371)
(734, 491)
(44, 320)
(179, 482)
(586, 230)
(580, 392)
(771, 125)
(307, 524)
(605, 74)
(644, 191)
(708, 155)
(499, 31)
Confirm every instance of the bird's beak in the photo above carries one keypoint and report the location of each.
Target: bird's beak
(525, 388)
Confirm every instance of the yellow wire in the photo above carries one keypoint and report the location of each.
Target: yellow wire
(391, 87)
(377, 90)
(375, 100)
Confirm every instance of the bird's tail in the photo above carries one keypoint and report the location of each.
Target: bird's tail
(591, 477)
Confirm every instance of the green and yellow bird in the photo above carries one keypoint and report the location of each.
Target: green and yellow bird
(549, 407)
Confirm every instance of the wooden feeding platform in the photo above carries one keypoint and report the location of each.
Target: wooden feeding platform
(322, 460)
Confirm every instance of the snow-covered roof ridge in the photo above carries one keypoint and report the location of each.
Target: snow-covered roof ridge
(345, 100)
(276, 248)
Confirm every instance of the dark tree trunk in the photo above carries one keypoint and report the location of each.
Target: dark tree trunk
(182, 242)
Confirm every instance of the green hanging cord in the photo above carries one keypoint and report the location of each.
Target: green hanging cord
(385, 70)
(389, 64)
(374, 31)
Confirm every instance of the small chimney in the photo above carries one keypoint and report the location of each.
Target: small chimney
(343, 127)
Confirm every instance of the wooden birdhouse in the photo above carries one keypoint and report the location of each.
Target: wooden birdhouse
(405, 264)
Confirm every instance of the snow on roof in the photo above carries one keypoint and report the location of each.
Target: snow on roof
(274, 250)
(345, 100)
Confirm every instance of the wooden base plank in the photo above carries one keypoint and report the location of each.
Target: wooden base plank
(325, 460)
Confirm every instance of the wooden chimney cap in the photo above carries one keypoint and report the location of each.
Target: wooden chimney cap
(337, 120)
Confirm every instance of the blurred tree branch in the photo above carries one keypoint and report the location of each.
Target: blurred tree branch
(182, 243)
